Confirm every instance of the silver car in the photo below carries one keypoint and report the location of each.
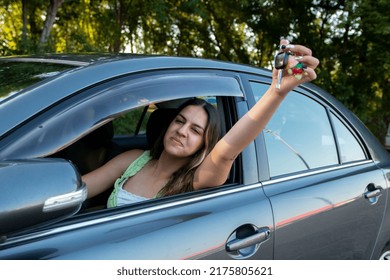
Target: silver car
(313, 185)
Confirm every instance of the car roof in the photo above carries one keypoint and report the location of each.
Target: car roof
(69, 59)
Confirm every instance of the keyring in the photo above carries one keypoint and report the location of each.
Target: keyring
(298, 70)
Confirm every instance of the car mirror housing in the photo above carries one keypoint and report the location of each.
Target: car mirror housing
(38, 191)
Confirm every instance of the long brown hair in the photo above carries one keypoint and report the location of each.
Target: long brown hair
(182, 180)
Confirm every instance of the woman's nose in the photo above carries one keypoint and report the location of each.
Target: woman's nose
(183, 130)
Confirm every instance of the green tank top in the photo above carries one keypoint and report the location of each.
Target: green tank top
(133, 168)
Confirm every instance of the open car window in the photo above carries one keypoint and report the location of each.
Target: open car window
(95, 125)
(55, 129)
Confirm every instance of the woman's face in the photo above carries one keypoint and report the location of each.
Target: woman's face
(185, 135)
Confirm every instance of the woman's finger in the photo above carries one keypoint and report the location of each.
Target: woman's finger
(309, 61)
(298, 50)
(311, 74)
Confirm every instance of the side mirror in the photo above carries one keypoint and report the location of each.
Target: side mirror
(38, 191)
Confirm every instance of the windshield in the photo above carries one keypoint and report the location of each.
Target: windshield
(15, 75)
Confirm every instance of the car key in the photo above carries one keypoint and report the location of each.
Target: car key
(281, 60)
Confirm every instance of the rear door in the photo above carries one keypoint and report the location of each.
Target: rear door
(325, 191)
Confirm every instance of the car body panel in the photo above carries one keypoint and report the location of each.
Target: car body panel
(186, 229)
(303, 205)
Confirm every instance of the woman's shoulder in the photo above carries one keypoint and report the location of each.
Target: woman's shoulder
(122, 161)
(126, 158)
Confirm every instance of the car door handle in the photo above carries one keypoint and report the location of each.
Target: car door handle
(372, 194)
(258, 236)
(372, 191)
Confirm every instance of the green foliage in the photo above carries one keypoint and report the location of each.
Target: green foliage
(127, 124)
(349, 37)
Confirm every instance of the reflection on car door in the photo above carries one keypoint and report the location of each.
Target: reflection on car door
(326, 215)
(195, 226)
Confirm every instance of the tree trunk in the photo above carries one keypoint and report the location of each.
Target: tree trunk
(24, 16)
(50, 18)
(119, 21)
(23, 45)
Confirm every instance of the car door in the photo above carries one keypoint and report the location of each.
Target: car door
(325, 191)
(231, 221)
(193, 227)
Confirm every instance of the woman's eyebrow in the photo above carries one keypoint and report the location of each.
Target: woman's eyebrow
(195, 124)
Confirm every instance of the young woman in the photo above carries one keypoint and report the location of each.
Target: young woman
(189, 155)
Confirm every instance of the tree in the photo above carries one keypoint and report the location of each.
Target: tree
(50, 18)
(353, 61)
(349, 37)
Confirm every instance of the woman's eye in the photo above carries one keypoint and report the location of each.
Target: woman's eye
(197, 131)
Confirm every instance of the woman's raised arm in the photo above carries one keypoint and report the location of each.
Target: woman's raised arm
(216, 167)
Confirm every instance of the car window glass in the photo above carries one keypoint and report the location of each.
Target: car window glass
(133, 122)
(350, 149)
(299, 135)
(15, 76)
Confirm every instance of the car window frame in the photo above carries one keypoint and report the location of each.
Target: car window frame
(232, 113)
(86, 94)
(83, 96)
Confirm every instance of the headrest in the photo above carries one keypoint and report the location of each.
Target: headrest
(158, 122)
